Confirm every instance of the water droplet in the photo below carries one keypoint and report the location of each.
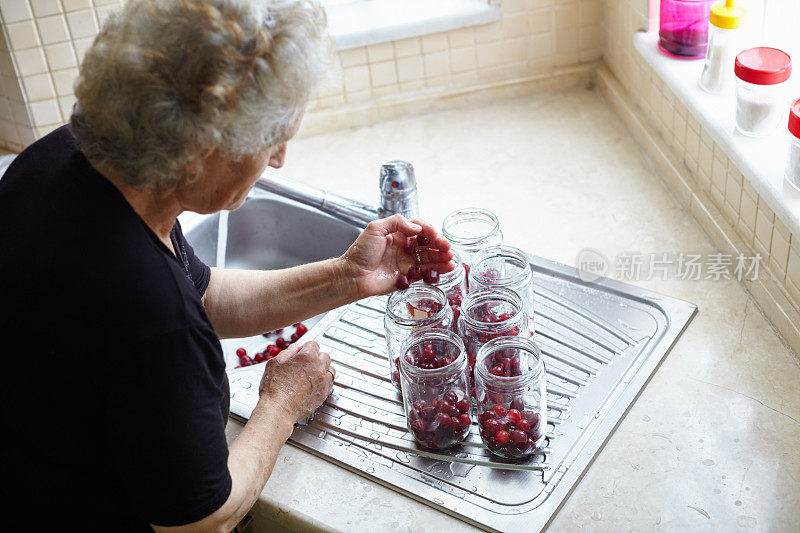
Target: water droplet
(370, 470)
(402, 457)
(372, 410)
(746, 521)
(438, 501)
(708, 462)
(636, 467)
(737, 503)
(646, 418)
(596, 516)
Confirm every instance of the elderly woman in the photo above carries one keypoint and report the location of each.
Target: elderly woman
(181, 105)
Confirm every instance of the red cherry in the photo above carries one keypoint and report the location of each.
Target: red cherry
(402, 282)
(451, 397)
(418, 427)
(246, 361)
(422, 240)
(430, 276)
(241, 352)
(282, 343)
(501, 437)
(415, 273)
(496, 370)
(444, 421)
(524, 425)
(301, 330)
(410, 246)
(260, 357)
(491, 426)
(278, 331)
(294, 337)
(517, 404)
(500, 410)
(514, 416)
(518, 438)
(419, 405)
(428, 412)
(464, 420)
(273, 350)
(463, 405)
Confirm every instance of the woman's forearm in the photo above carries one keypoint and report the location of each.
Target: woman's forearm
(241, 303)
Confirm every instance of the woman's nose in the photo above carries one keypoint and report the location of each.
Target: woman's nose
(276, 160)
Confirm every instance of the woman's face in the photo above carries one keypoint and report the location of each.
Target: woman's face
(223, 183)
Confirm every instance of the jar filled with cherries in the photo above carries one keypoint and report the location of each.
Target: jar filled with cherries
(433, 372)
(487, 314)
(454, 286)
(419, 307)
(507, 267)
(510, 386)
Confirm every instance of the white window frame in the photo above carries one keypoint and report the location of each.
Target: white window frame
(355, 23)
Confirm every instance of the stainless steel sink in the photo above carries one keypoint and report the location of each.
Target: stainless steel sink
(602, 342)
(267, 232)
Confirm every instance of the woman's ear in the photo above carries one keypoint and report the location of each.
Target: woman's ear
(194, 167)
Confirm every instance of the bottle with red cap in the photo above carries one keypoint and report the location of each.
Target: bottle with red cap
(793, 159)
(761, 76)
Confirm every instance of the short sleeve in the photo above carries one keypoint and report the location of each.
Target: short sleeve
(167, 442)
(199, 272)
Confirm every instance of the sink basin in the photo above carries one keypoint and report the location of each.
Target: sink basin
(266, 233)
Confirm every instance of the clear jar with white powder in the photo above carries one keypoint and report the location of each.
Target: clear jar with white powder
(761, 76)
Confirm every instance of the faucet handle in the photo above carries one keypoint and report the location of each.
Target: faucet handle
(398, 189)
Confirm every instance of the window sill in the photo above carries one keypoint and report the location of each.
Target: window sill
(761, 161)
(376, 21)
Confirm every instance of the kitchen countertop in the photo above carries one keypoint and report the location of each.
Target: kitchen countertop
(712, 442)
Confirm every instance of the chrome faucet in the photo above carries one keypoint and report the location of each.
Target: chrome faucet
(398, 188)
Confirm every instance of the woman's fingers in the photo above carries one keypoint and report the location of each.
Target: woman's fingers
(394, 224)
(436, 240)
(434, 256)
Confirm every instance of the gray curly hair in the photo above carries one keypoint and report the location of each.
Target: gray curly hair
(167, 80)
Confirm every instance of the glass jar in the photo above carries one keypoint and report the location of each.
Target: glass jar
(508, 267)
(470, 230)
(511, 393)
(683, 27)
(454, 286)
(793, 157)
(487, 314)
(723, 45)
(761, 76)
(419, 307)
(433, 371)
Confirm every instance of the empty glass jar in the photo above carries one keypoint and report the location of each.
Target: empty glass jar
(433, 372)
(416, 308)
(511, 394)
(507, 267)
(487, 314)
(470, 230)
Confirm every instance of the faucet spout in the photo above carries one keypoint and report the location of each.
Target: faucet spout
(350, 211)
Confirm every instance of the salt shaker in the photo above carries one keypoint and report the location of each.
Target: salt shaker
(793, 158)
(725, 20)
(761, 76)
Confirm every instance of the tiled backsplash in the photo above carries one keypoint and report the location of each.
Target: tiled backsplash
(43, 41)
(41, 45)
(713, 173)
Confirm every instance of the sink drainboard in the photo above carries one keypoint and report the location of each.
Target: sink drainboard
(601, 342)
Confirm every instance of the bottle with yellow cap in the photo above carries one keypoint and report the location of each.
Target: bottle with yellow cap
(723, 45)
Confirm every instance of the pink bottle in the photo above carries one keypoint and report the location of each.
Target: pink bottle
(683, 30)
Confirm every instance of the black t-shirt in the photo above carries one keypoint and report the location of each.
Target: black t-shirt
(114, 386)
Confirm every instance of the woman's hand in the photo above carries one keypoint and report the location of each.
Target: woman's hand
(297, 380)
(380, 253)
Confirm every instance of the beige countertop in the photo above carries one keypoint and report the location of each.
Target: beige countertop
(712, 442)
